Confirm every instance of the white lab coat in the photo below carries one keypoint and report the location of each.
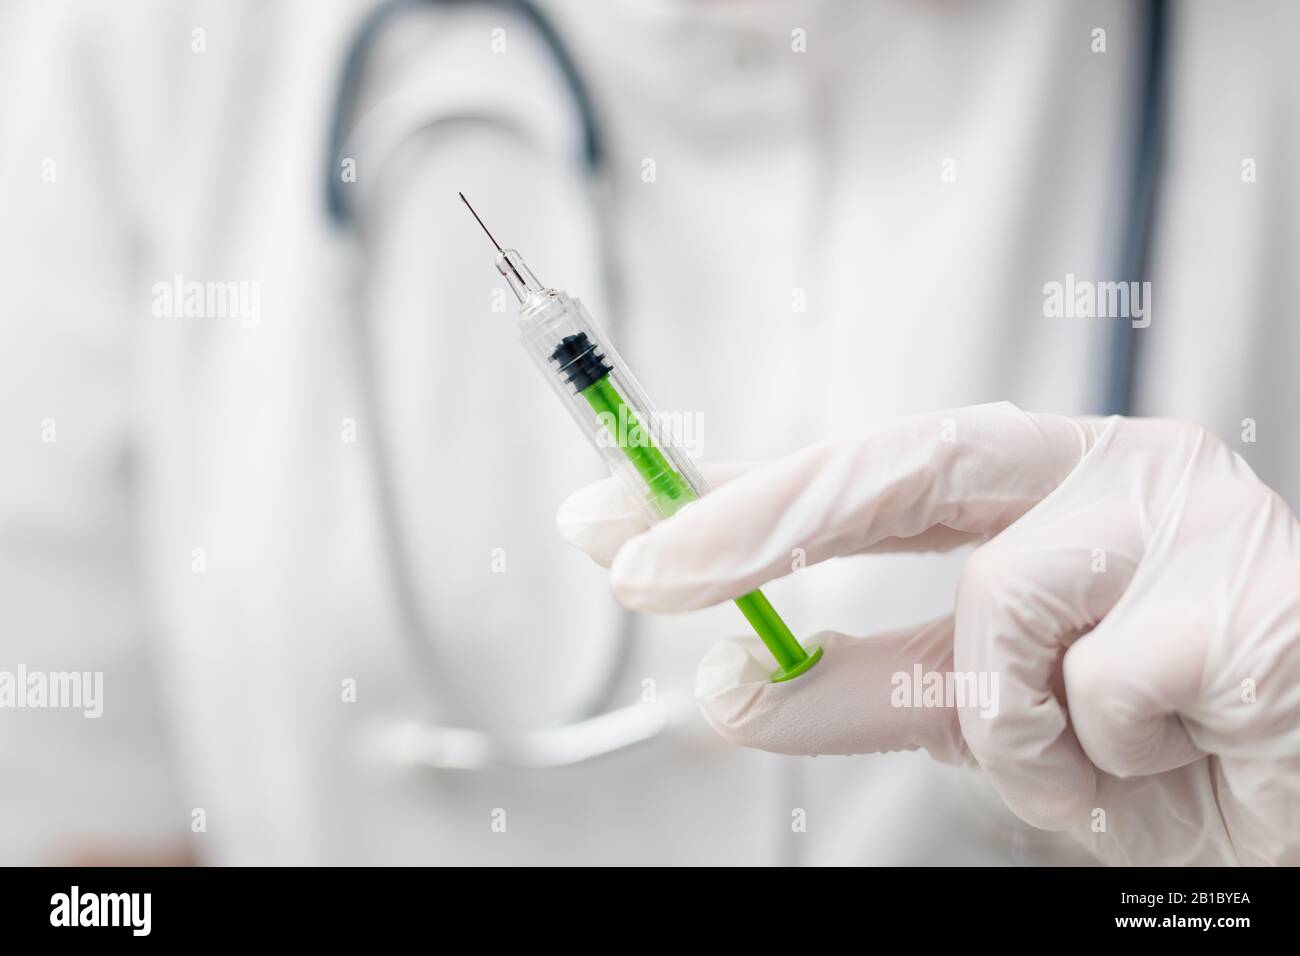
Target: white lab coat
(204, 532)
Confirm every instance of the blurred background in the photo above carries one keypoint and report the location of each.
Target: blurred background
(275, 468)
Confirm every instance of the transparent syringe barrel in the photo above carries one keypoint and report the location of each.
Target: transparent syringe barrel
(590, 377)
(605, 399)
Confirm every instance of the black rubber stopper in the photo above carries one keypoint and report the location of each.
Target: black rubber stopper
(579, 362)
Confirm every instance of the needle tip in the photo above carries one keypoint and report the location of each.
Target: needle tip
(480, 221)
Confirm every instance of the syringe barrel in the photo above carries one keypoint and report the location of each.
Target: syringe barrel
(639, 445)
(589, 375)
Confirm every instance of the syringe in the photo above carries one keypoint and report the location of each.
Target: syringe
(589, 375)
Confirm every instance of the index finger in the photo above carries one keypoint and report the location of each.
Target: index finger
(971, 472)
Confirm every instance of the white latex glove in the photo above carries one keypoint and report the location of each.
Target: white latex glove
(1150, 702)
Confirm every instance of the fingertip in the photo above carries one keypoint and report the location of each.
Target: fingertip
(644, 580)
(599, 519)
(1052, 790)
(1031, 755)
(1055, 810)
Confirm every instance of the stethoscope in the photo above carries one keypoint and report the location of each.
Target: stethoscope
(598, 728)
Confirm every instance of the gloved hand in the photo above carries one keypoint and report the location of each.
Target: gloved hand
(1135, 594)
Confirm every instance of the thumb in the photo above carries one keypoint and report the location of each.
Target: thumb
(848, 704)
